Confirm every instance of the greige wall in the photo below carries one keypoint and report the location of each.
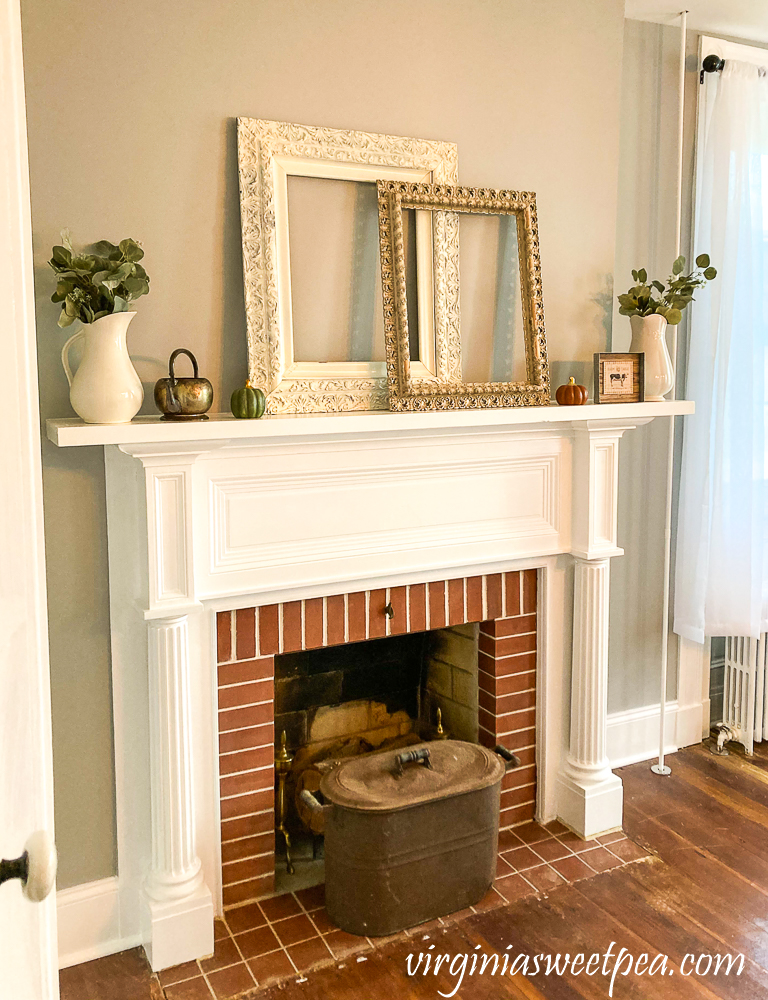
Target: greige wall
(131, 114)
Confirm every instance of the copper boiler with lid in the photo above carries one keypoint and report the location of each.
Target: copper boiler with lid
(410, 835)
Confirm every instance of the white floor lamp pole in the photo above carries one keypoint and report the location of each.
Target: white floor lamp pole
(660, 767)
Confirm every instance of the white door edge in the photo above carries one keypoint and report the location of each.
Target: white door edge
(28, 948)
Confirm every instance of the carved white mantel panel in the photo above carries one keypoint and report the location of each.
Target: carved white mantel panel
(235, 513)
(361, 512)
(170, 540)
(595, 487)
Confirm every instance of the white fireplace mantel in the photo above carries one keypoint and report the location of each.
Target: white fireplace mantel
(229, 513)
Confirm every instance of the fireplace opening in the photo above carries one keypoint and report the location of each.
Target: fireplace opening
(465, 646)
(337, 702)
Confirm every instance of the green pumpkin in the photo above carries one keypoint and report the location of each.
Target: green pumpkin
(248, 403)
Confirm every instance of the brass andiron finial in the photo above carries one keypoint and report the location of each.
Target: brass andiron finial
(441, 733)
(283, 761)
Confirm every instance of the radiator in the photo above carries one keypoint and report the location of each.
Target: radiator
(745, 689)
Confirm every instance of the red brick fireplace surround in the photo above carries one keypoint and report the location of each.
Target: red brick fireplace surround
(248, 640)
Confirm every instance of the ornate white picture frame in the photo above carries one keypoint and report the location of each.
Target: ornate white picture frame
(268, 153)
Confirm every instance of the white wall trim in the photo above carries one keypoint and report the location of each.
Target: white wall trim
(89, 922)
(634, 735)
(693, 667)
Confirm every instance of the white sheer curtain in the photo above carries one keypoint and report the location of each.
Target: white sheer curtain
(721, 576)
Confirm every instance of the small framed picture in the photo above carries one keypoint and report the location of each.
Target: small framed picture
(619, 378)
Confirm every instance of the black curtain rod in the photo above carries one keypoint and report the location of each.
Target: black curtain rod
(714, 64)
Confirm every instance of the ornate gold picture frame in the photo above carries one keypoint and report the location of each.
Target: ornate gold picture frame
(269, 153)
(405, 393)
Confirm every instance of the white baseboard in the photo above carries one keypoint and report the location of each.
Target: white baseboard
(692, 724)
(89, 922)
(634, 735)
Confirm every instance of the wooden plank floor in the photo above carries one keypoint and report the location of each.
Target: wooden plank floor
(703, 893)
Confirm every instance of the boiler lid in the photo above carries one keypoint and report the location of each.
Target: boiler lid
(373, 782)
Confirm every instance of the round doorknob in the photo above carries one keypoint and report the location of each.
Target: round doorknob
(36, 868)
(42, 862)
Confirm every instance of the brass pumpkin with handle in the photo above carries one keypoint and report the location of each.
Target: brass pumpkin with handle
(183, 397)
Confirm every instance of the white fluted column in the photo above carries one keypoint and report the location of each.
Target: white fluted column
(587, 759)
(179, 906)
(590, 799)
(176, 869)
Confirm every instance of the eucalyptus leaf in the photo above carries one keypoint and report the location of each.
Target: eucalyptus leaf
(131, 250)
(123, 271)
(63, 288)
(105, 249)
(136, 286)
(63, 256)
(702, 260)
(83, 262)
(710, 273)
(674, 316)
(679, 264)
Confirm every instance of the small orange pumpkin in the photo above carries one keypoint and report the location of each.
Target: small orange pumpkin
(571, 394)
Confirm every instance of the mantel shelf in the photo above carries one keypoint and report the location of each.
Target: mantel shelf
(72, 432)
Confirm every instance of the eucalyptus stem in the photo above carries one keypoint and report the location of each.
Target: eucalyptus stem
(92, 285)
(671, 299)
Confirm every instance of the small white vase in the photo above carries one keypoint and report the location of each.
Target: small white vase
(105, 389)
(649, 338)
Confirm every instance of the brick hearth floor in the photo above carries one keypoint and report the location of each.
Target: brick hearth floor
(285, 936)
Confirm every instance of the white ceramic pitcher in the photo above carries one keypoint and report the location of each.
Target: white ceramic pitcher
(105, 389)
(649, 338)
